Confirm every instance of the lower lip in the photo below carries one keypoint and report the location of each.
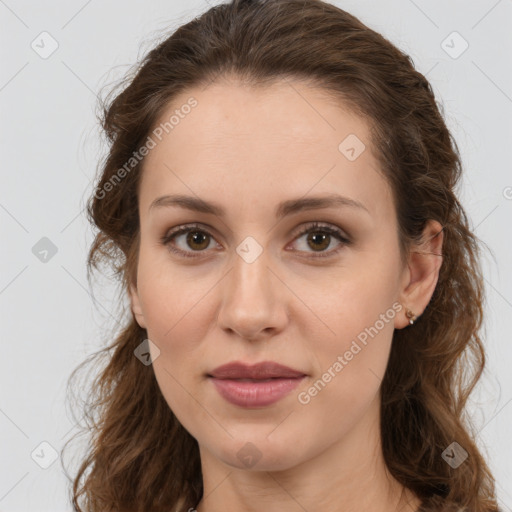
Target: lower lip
(255, 394)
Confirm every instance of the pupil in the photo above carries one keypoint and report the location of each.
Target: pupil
(323, 238)
(192, 239)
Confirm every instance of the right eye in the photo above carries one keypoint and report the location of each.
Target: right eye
(196, 238)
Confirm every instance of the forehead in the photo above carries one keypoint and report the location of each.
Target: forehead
(287, 136)
(280, 112)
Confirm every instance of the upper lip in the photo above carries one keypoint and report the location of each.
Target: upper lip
(263, 370)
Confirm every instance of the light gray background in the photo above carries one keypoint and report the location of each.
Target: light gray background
(50, 148)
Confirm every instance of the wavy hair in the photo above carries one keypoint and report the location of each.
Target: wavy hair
(130, 465)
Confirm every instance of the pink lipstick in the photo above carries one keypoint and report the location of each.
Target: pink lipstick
(256, 385)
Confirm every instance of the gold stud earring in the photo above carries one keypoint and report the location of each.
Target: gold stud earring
(411, 316)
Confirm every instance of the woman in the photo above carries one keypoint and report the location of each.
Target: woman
(278, 202)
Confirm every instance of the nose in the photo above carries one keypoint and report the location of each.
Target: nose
(253, 300)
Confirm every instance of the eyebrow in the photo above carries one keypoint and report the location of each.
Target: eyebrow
(283, 209)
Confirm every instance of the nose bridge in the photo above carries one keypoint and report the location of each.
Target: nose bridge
(250, 286)
(250, 272)
(250, 303)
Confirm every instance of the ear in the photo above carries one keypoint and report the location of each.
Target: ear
(136, 307)
(422, 273)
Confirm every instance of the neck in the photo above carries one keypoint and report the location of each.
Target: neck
(349, 476)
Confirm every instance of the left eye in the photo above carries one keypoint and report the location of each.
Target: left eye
(197, 238)
(320, 237)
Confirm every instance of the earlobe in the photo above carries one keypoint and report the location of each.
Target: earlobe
(136, 307)
(424, 264)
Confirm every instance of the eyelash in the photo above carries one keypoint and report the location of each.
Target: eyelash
(315, 227)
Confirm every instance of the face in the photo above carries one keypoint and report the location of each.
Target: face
(313, 288)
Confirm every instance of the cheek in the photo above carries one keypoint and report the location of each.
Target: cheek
(175, 308)
(354, 301)
(172, 301)
(177, 327)
(350, 375)
(357, 329)
(357, 356)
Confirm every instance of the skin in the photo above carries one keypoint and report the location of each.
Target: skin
(249, 149)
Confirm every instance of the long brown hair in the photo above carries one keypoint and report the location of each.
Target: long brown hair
(140, 458)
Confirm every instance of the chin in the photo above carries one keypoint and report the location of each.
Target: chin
(261, 454)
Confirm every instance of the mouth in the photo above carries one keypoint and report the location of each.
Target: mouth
(255, 386)
(255, 393)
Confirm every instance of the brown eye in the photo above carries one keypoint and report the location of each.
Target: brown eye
(196, 240)
(319, 238)
(318, 241)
